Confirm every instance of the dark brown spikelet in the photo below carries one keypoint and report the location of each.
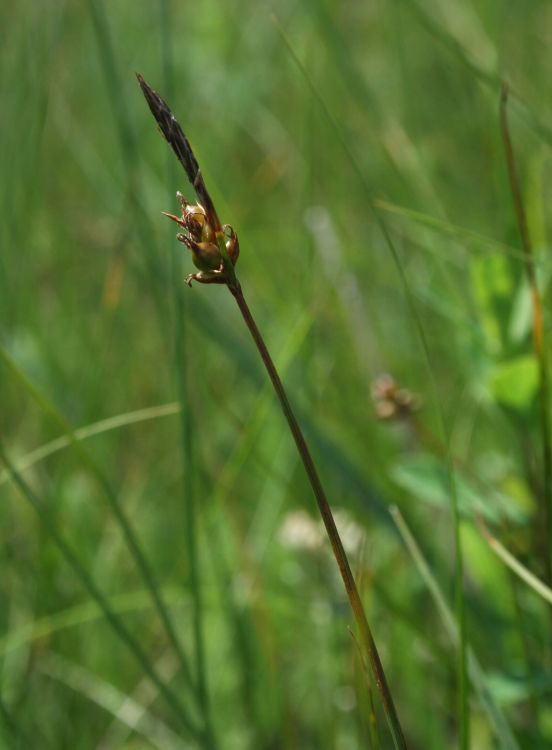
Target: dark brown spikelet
(179, 143)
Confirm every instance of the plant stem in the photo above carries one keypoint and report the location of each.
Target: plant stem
(175, 137)
(545, 531)
(460, 604)
(328, 519)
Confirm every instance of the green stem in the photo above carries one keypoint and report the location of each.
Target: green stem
(328, 519)
(460, 604)
(545, 530)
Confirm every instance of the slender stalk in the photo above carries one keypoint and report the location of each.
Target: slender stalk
(328, 519)
(539, 344)
(225, 274)
(513, 563)
(460, 599)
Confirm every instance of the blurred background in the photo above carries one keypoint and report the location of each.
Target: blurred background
(356, 149)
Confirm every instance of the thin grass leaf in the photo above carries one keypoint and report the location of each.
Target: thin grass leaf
(514, 564)
(126, 710)
(143, 696)
(114, 620)
(81, 614)
(29, 460)
(121, 519)
(19, 736)
(229, 472)
(544, 534)
(496, 717)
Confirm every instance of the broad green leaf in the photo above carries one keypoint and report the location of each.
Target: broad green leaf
(521, 317)
(493, 287)
(514, 383)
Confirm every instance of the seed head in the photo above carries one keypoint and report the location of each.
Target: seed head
(392, 402)
(214, 247)
(203, 241)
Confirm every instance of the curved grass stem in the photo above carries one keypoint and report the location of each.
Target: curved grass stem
(340, 555)
(175, 137)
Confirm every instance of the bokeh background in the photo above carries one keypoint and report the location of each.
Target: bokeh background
(356, 149)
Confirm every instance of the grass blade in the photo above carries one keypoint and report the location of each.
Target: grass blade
(513, 563)
(114, 620)
(126, 529)
(496, 717)
(82, 433)
(125, 709)
(544, 534)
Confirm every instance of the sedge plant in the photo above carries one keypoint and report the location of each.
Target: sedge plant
(215, 249)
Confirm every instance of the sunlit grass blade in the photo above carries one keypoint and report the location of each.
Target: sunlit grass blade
(494, 713)
(29, 460)
(81, 614)
(104, 694)
(544, 530)
(514, 564)
(143, 695)
(82, 574)
(121, 519)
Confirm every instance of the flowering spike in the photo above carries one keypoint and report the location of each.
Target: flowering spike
(180, 145)
(214, 248)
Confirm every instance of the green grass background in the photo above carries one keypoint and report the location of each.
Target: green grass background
(401, 114)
